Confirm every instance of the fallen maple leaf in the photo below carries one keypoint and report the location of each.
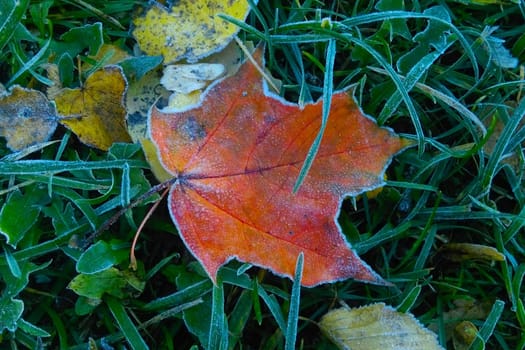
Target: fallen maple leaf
(235, 159)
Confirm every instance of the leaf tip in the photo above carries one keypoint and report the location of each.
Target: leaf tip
(369, 276)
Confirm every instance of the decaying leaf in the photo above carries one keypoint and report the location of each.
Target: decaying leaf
(186, 78)
(235, 159)
(512, 158)
(95, 112)
(26, 118)
(141, 95)
(189, 29)
(462, 310)
(464, 335)
(377, 327)
(187, 81)
(469, 251)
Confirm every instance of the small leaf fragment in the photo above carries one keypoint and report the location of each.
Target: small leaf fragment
(462, 309)
(110, 281)
(13, 225)
(377, 327)
(11, 311)
(189, 29)
(469, 251)
(141, 94)
(31, 329)
(108, 54)
(499, 54)
(464, 335)
(136, 67)
(98, 257)
(95, 112)
(186, 78)
(27, 118)
(79, 39)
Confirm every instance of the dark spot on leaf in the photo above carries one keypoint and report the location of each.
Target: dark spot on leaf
(161, 103)
(192, 130)
(173, 3)
(134, 118)
(269, 119)
(25, 112)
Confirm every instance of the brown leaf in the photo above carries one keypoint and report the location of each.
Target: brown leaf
(26, 118)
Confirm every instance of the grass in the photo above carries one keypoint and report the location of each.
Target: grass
(448, 74)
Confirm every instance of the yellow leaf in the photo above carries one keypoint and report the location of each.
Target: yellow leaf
(95, 112)
(27, 118)
(178, 101)
(109, 54)
(141, 95)
(191, 29)
(150, 151)
(464, 335)
(469, 251)
(377, 327)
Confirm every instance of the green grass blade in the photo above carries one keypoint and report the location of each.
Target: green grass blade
(488, 327)
(13, 16)
(58, 326)
(389, 15)
(410, 299)
(53, 166)
(328, 89)
(413, 76)
(293, 314)
(502, 146)
(182, 296)
(26, 66)
(230, 276)
(125, 186)
(11, 262)
(218, 336)
(125, 324)
(239, 317)
(400, 87)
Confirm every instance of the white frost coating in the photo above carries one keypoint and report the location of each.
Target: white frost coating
(186, 78)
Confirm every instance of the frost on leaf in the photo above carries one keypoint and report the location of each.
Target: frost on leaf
(189, 29)
(377, 327)
(26, 118)
(95, 111)
(235, 159)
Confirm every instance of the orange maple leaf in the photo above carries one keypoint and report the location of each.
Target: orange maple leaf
(235, 159)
